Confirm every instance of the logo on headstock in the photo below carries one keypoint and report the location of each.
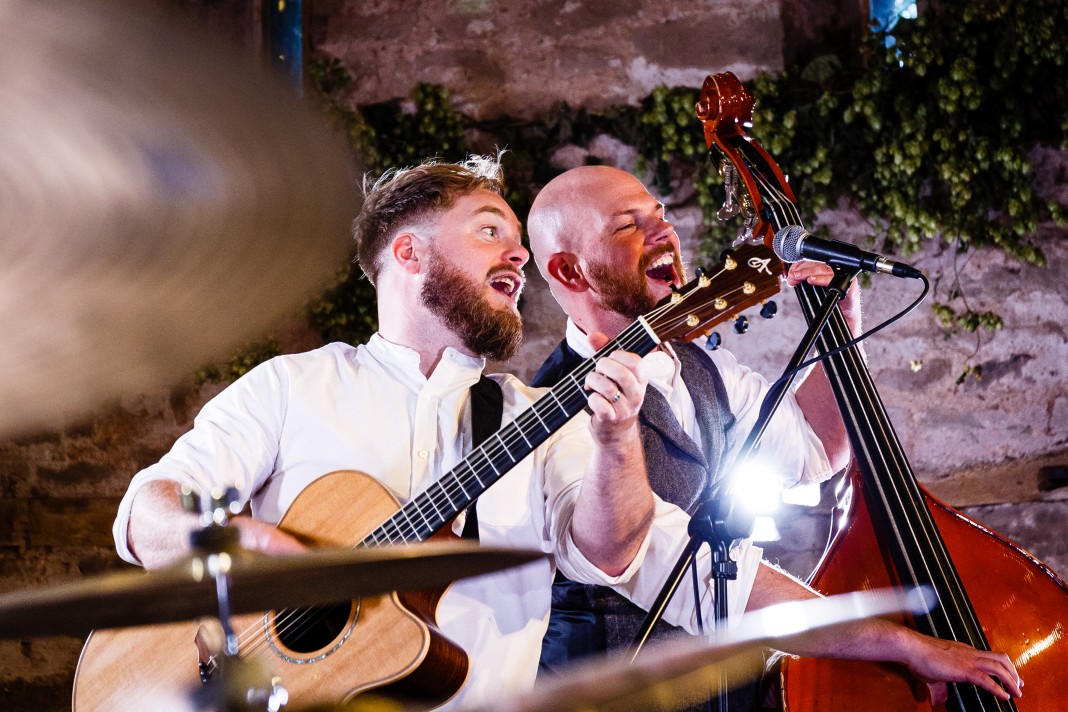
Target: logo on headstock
(760, 265)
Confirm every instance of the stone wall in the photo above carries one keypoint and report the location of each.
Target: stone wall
(981, 445)
(519, 57)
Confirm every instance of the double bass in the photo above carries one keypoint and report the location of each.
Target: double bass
(888, 529)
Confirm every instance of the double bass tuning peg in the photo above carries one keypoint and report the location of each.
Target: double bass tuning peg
(729, 208)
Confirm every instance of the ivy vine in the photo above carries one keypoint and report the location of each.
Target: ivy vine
(932, 138)
(928, 139)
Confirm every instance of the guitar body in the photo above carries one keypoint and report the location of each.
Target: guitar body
(380, 641)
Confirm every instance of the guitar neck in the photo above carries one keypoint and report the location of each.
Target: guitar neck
(431, 510)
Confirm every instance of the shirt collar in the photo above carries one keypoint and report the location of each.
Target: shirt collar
(577, 340)
(455, 369)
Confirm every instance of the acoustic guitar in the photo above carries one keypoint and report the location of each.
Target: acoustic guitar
(329, 654)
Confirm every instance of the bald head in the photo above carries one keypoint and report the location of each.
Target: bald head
(572, 209)
(602, 243)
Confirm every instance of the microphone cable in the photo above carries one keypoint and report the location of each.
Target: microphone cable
(856, 340)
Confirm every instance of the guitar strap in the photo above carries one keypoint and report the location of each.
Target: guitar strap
(487, 411)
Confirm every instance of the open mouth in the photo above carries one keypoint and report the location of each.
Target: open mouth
(663, 269)
(509, 284)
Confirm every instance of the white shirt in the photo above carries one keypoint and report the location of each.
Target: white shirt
(296, 418)
(788, 441)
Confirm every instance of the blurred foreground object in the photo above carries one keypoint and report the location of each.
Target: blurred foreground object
(162, 201)
(672, 674)
(257, 582)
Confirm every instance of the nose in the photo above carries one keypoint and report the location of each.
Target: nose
(658, 230)
(516, 253)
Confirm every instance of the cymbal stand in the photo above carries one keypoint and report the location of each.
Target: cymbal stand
(230, 684)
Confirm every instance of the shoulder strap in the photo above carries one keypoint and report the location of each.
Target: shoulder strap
(487, 411)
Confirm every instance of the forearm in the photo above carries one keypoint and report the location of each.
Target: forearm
(818, 404)
(615, 504)
(814, 395)
(870, 639)
(158, 530)
(932, 660)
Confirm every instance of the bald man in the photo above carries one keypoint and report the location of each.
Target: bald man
(608, 253)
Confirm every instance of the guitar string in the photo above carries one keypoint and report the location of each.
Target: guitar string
(898, 496)
(285, 625)
(531, 418)
(895, 493)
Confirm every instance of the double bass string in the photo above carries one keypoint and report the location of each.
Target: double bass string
(895, 492)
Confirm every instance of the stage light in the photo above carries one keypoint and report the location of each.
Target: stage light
(757, 486)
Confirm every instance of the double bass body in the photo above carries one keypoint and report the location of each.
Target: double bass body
(1020, 602)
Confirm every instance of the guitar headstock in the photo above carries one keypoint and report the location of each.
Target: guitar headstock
(748, 275)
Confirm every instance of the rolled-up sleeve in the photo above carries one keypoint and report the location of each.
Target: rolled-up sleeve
(567, 456)
(233, 443)
(565, 463)
(788, 442)
(666, 541)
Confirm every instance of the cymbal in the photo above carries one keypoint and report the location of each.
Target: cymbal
(164, 201)
(667, 675)
(258, 582)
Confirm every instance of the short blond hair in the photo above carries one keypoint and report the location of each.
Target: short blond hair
(406, 195)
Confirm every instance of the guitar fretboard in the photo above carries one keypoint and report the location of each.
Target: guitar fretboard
(431, 510)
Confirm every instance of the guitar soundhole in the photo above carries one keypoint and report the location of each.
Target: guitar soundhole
(309, 630)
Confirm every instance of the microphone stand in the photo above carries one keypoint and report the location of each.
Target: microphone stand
(717, 521)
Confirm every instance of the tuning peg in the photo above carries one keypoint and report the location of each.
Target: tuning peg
(741, 324)
(714, 341)
(698, 271)
(729, 208)
(769, 309)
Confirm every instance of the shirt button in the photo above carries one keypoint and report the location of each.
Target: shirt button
(423, 454)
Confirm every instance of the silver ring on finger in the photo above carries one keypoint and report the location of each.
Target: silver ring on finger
(617, 396)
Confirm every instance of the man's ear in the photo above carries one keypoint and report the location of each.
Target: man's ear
(565, 269)
(405, 252)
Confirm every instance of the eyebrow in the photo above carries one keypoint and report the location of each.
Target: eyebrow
(494, 210)
(491, 209)
(629, 212)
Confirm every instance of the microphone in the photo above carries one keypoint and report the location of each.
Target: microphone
(792, 243)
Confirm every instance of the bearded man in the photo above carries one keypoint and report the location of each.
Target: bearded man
(443, 251)
(608, 253)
